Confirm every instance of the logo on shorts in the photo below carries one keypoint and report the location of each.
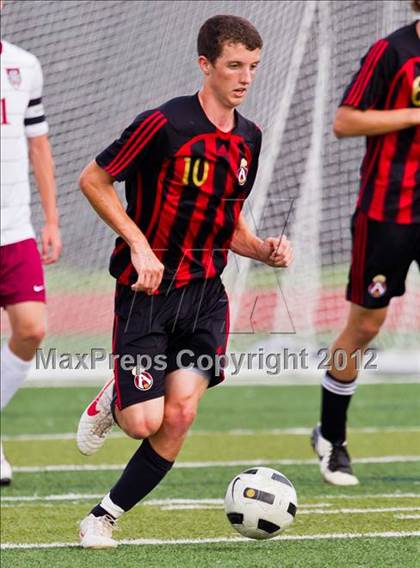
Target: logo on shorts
(142, 381)
(377, 287)
(14, 76)
(243, 172)
(38, 288)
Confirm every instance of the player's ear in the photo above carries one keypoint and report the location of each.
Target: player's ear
(204, 64)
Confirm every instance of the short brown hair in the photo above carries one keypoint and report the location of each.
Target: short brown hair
(218, 30)
(415, 5)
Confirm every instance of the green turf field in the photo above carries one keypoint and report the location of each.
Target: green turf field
(182, 523)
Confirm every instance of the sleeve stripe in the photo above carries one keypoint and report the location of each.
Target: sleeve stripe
(142, 139)
(36, 120)
(356, 92)
(137, 133)
(34, 102)
(34, 111)
(365, 71)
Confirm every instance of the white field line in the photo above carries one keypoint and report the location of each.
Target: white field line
(186, 504)
(155, 541)
(237, 432)
(191, 507)
(375, 496)
(207, 464)
(215, 502)
(358, 511)
(214, 506)
(301, 511)
(63, 497)
(150, 502)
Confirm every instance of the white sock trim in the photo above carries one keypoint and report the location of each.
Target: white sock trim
(8, 357)
(14, 371)
(111, 507)
(339, 387)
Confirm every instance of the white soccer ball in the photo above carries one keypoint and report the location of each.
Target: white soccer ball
(260, 502)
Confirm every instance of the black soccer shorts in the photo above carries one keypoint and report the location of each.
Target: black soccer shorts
(154, 335)
(382, 254)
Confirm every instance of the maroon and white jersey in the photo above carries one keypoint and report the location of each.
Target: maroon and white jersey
(22, 117)
(388, 79)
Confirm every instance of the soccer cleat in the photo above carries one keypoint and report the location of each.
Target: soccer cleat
(96, 532)
(5, 469)
(334, 460)
(96, 421)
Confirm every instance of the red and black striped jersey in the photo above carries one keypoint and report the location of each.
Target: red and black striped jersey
(185, 185)
(389, 78)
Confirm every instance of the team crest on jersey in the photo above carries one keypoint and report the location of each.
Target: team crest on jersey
(14, 76)
(143, 380)
(377, 287)
(243, 172)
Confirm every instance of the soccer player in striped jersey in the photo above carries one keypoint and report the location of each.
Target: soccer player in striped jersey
(382, 103)
(188, 166)
(23, 131)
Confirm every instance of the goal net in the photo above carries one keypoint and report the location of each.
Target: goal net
(105, 61)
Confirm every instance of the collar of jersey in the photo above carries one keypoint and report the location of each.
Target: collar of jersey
(210, 123)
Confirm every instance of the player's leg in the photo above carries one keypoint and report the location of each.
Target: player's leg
(382, 253)
(134, 396)
(27, 322)
(22, 294)
(338, 387)
(28, 326)
(184, 389)
(155, 456)
(138, 421)
(204, 334)
(136, 333)
(163, 438)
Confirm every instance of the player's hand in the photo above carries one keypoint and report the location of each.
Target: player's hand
(51, 243)
(149, 270)
(277, 252)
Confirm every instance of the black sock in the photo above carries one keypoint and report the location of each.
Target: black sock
(335, 400)
(144, 471)
(98, 511)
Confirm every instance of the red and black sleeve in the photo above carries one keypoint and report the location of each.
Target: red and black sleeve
(369, 86)
(145, 136)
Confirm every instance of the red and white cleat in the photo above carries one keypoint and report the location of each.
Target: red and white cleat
(96, 532)
(96, 421)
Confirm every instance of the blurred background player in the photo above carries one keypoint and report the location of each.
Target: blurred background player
(188, 167)
(382, 103)
(22, 293)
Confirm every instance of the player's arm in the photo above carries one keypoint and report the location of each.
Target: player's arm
(351, 121)
(43, 168)
(272, 251)
(36, 129)
(98, 186)
(361, 109)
